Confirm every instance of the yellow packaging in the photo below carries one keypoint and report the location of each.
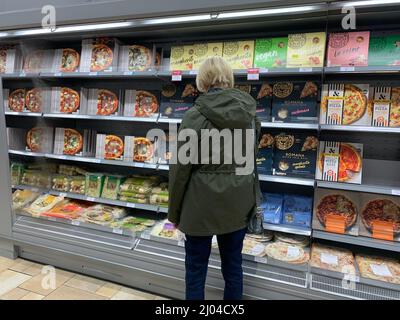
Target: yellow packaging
(202, 51)
(239, 54)
(306, 50)
(181, 58)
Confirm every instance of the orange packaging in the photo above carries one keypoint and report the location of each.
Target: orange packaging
(335, 224)
(383, 230)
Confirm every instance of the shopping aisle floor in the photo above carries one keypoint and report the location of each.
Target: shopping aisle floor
(23, 280)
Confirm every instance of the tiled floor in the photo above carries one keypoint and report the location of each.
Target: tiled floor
(23, 280)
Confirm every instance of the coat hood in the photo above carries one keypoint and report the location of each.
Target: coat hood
(228, 108)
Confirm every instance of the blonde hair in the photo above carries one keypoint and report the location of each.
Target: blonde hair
(214, 72)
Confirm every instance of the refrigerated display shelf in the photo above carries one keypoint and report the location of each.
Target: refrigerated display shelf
(287, 180)
(95, 117)
(287, 125)
(287, 229)
(362, 70)
(327, 127)
(358, 240)
(23, 114)
(379, 189)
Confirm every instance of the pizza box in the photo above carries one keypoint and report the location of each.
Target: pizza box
(265, 154)
(99, 54)
(385, 106)
(326, 200)
(181, 58)
(165, 147)
(202, 51)
(331, 166)
(31, 100)
(270, 53)
(295, 155)
(348, 49)
(384, 211)
(262, 94)
(11, 60)
(69, 100)
(16, 138)
(176, 99)
(287, 265)
(272, 207)
(239, 54)
(306, 50)
(140, 103)
(109, 147)
(139, 149)
(395, 108)
(40, 139)
(66, 60)
(138, 57)
(384, 49)
(337, 107)
(83, 138)
(294, 102)
(104, 102)
(15, 99)
(38, 60)
(297, 210)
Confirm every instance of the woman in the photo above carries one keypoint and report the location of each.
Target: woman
(212, 199)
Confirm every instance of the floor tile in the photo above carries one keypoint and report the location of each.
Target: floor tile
(10, 280)
(108, 290)
(21, 265)
(14, 294)
(5, 263)
(85, 283)
(40, 283)
(32, 296)
(69, 293)
(132, 294)
(34, 269)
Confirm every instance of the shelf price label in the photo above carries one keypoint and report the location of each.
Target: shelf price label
(93, 73)
(58, 74)
(193, 72)
(176, 75)
(130, 205)
(396, 192)
(90, 199)
(117, 230)
(261, 260)
(128, 73)
(62, 194)
(181, 243)
(305, 69)
(145, 235)
(347, 69)
(253, 74)
(75, 222)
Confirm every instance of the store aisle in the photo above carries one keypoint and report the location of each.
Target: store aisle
(23, 280)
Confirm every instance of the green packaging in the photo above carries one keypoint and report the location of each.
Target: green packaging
(17, 170)
(384, 50)
(111, 187)
(94, 184)
(271, 53)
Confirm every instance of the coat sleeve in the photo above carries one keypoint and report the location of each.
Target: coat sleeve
(257, 181)
(179, 177)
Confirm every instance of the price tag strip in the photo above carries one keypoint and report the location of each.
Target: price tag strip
(383, 230)
(176, 75)
(253, 74)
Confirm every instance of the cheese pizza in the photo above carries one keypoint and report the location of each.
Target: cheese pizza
(69, 60)
(146, 104)
(339, 205)
(16, 100)
(140, 58)
(355, 104)
(33, 100)
(102, 57)
(73, 142)
(69, 100)
(113, 147)
(107, 102)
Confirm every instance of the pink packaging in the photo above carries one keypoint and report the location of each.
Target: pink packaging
(348, 49)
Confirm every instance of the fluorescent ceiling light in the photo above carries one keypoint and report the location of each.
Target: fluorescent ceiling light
(188, 18)
(264, 12)
(368, 3)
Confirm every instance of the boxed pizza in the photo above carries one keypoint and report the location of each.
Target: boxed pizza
(380, 216)
(165, 147)
(38, 61)
(379, 268)
(295, 155)
(395, 108)
(27, 100)
(288, 253)
(272, 207)
(306, 50)
(40, 139)
(270, 53)
(265, 154)
(99, 54)
(336, 211)
(109, 147)
(239, 54)
(181, 58)
(103, 102)
(177, 98)
(294, 102)
(339, 162)
(262, 94)
(348, 49)
(385, 106)
(346, 104)
(10, 59)
(384, 49)
(66, 60)
(332, 258)
(74, 142)
(202, 51)
(297, 210)
(138, 58)
(141, 103)
(16, 138)
(139, 149)
(69, 100)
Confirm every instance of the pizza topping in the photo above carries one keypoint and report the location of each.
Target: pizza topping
(311, 143)
(3, 60)
(16, 100)
(107, 102)
(337, 205)
(139, 58)
(265, 91)
(73, 142)
(102, 57)
(33, 100)
(143, 150)
(114, 147)
(310, 89)
(146, 104)
(69, 60)
(69, 100)
(383, 210)
(34, 139)
(189, 90)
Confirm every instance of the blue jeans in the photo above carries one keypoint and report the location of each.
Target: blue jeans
(198, 251)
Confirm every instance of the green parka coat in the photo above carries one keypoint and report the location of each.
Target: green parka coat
(211, 199)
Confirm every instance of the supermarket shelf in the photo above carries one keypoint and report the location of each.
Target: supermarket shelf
(169, 120)
(32, 188)
(359, 187)
(282, 71)
(359, 128)
(27, 153)
(359, 241)
(100, 75)
(95, 117)
(287, 125)
(287, 180)
(23, 114)
(287, 229)
(361, 70)
(20, 75)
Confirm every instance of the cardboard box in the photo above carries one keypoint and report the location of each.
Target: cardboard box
(336, 211)
(40, 139)
(138, 57)
(297, 210)
(139, 149)
(348, 49)
(395, 108)
(338, 101)
(265, 154)
(294, 102)
(10, 59)
(99, 54)
(182, 58)
(384, 49)
(140, 103)
(69, 100)
(306, 50)
(262, 93)
(104, 102)
(66, 60)
(272, 207)
(339, 162)
(177, 98)
(85, 138)
(202, 51)
(271, 53)
(109, 147)
(239, 54)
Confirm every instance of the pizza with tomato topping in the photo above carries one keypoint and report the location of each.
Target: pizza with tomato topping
(73, 141)
(113, 147)
(34, 139)
(146, 104)
(102, 57)
(107, 102)
(33, 100)
(395, 108)
(69, 100)
(16, 100)
(69, 60)
(338, 205)
(355, 104)
(143, 150)
(382, 210)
